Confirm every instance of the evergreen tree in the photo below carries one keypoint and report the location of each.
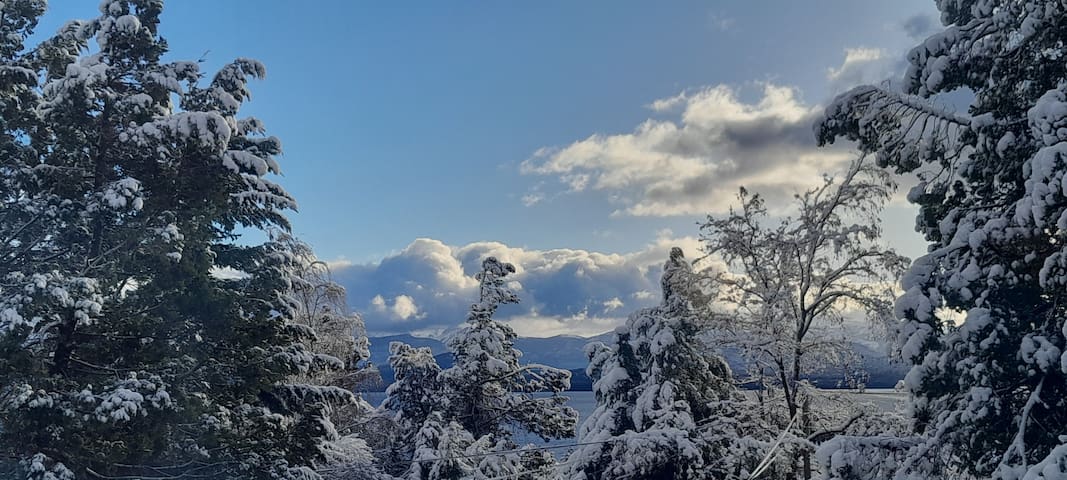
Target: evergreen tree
(24, 206)
(410, 400)
(458, 423)
(441, 451)
(658, 392)
(487, 387)
(337, 341)
(123, 354)
(989, 393)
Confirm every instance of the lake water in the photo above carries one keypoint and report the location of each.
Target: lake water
(585, 403)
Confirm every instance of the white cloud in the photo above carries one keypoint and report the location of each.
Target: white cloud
(855, 57)
(404, 307)
(667, 104)
(378, 303)
(695, 164)
(581, 323)
(338, 263)
(864, 65)
(429, 286)
(643, 295)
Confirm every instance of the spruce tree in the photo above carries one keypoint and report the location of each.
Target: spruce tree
(989, 393)
(458, 423)
(659, 393)
(24, 206)
(410, 400)
(123, 354)
(488, 387)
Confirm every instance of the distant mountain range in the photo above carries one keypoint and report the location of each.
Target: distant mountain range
(568, 352)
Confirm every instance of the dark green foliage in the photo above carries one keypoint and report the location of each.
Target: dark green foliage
(125, 352)
(983, 312)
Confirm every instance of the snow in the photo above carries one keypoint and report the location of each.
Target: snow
(477, 406)
(1039, 351)
(122, 192)
(206, 129)
(649, 414)
(130, 398)
(994, 209)
(43, 468)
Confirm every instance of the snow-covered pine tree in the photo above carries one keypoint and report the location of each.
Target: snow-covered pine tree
(338, 342)
(123, 354)
(471, 409)
(426, 445)
(657, 391)
(488, 387)
(444, 450)
(989, 393)
(413, 396)
(441, 451)
(23, 204)
(24, 208)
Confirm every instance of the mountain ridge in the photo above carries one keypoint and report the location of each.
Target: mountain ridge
(568, 352)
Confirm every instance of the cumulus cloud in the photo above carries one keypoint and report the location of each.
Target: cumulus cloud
(403, 307)
(695, 163)
(429, 286)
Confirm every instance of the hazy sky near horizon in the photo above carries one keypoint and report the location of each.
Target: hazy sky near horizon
(578, 140)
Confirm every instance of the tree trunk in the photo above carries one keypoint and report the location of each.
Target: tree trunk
(805, 422)
(65, 342)
(804, 407)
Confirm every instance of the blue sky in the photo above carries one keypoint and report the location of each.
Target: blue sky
(454, 122)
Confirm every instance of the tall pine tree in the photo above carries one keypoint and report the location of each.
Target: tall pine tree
(658, 394)
(488, 387)
(458, 423)
(123, 354)
(990, 392)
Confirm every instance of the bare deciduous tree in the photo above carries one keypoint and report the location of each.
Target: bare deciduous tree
(788, 286)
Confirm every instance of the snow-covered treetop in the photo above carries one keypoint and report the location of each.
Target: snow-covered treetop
(492, 289)
(676, 277)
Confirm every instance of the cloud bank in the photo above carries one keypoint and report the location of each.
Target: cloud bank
(429, 286)
(695, 163)
(702, 145)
